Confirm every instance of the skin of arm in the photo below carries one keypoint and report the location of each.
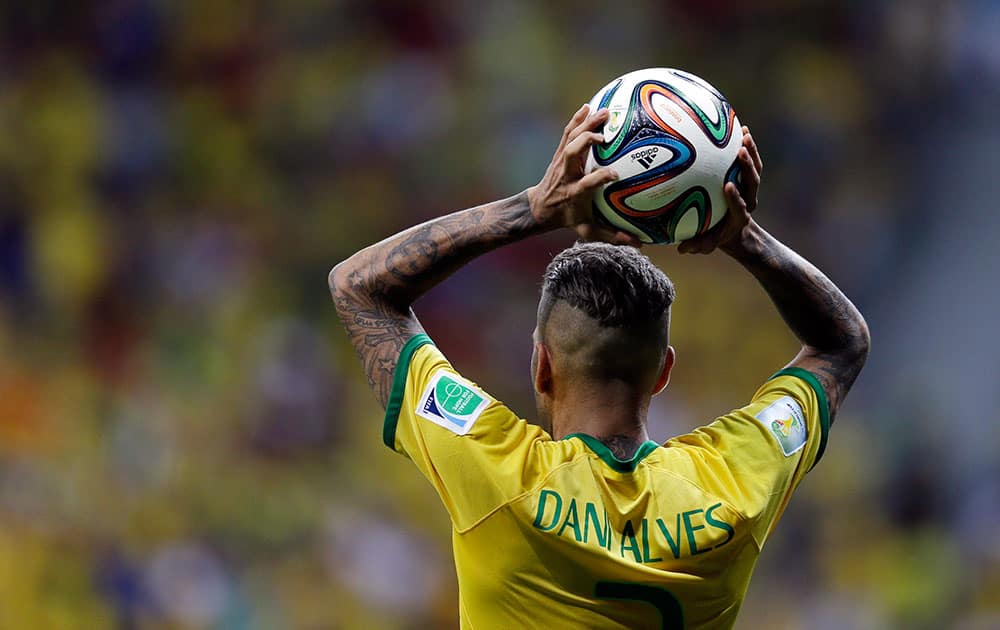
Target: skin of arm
(374, 289)
(834, 336)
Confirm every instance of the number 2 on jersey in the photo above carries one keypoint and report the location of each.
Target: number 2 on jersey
(671, 615)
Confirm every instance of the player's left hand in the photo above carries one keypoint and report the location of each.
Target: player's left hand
(564, 196)
(732, 227)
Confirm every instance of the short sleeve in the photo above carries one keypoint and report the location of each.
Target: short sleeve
(756, 456)
(474, 450)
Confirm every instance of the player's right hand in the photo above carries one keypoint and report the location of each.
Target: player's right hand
(564, 196)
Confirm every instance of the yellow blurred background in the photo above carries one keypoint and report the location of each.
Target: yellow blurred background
(186, 440)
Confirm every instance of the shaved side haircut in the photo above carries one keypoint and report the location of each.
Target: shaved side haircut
(605, 313)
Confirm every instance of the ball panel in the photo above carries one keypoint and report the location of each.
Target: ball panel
(652, 198)
(687, 224)
(709, 112)
(617, 114)
(642, 125)
(628, 123)
(610, 218)
(692, 216)
(686, 215)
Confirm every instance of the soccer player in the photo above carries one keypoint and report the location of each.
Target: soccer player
(585, 522)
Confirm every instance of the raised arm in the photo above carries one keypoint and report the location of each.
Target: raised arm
(833, 333)
(374, 289)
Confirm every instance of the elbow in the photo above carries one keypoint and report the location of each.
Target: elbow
(351, 285)
(335, 279)
(338, 281)
(851, 344)
(861, 341)
(353, 282)
(343, 275)
(866, 337)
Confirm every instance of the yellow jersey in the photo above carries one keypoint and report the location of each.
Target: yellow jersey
(562, 534)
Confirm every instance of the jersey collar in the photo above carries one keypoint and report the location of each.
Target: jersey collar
(602, 451)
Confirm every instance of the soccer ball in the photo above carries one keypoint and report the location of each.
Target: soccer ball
(673, 139)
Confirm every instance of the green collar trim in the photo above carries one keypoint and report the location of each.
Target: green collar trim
(824, 405)
(399, 388)
(609, 458)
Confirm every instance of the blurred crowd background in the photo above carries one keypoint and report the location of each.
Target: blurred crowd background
(186, 440)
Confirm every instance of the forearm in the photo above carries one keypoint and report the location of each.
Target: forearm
(817, 312)
(400, 269)
(374, 288)
(832, 331)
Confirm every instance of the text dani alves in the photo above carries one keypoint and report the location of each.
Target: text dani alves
(685, 534)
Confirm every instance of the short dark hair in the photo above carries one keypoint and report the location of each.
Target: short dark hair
(616, 285)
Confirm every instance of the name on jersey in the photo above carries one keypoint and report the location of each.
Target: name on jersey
(685, 534)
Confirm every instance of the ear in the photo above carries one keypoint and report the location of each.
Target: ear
(543, 369)
(668, 364)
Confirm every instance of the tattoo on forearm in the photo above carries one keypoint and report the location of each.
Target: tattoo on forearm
(373, 290)
(832, 330)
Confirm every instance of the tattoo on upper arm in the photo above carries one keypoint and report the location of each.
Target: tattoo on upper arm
(373, 289)
(377, 331)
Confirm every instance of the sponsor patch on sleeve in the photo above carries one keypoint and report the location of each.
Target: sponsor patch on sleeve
(785, 421)
(452, 402)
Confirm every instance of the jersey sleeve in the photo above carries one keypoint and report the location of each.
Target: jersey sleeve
(474, 450)
(756, 456)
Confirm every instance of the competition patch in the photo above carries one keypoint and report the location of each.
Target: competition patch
(785, 421)
(452, 402)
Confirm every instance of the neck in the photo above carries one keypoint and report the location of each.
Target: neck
(613, 413)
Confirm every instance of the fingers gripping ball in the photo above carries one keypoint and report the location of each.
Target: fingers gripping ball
(673, 140)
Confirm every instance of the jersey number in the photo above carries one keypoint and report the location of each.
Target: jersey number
(663, 600)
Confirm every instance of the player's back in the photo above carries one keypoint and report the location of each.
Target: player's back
(605, 543)
(561, 534)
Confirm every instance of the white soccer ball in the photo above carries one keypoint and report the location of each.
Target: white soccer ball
(673, 139)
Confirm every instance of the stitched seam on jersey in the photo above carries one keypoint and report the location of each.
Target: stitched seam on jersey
(465, 609)
(399, 378)
(523, 494)
(824, 405)
(739, 513)
(729, 505)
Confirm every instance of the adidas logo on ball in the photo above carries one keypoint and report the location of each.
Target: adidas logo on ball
(646, 156)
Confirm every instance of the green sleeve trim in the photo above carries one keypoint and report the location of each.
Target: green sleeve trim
(824, 405)
(399, 388)
(609, 458)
